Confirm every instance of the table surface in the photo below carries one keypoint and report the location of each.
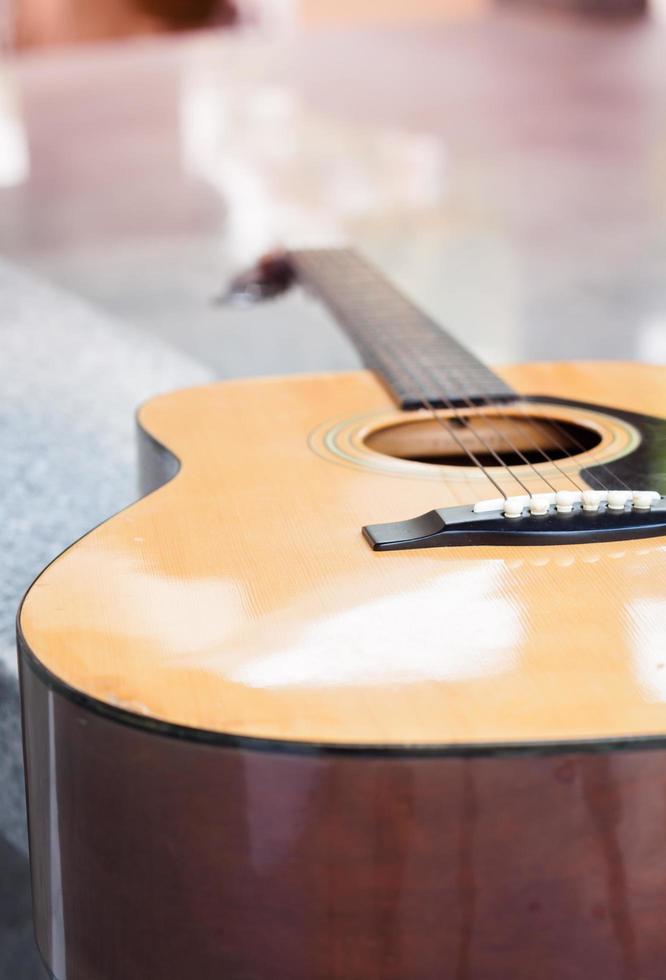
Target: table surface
(506, 166)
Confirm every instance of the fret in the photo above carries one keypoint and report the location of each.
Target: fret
(418, 361)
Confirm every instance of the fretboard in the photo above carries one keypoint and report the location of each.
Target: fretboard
(419, 362)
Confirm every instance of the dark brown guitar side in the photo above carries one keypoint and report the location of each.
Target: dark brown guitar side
(251, 862)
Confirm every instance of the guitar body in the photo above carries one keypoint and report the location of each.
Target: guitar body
(258, 749)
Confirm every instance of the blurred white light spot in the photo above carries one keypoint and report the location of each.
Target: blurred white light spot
(14, 159)
(648, 618)
(658, 10)
(458, 628)
(290, 175)
(651, 340)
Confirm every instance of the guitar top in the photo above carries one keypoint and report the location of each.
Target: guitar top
(242, 599)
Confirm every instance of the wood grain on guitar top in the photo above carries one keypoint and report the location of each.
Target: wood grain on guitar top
(241, 597)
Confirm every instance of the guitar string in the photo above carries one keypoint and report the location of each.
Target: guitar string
(426, 403)
(488, 402)
(501, 413)
(554, 423)
(593, 452)
(534, 423)
(530, 420)
(448, 402)
(429, 407)
(470, 404)
(462, 419)
(334, 257)
(566, 454)
(465, 420)
(470, 428)
(495, 405)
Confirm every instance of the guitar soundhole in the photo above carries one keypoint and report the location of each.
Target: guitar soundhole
(513, 438)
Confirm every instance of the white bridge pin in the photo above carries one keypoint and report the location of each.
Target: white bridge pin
(565, 500)
(592, 499)
(617, 499)
(514, 506)
(540, 503)
(643, 499)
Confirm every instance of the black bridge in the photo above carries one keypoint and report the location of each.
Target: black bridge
(459, 526)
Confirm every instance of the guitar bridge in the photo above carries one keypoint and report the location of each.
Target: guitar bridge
(557, 518)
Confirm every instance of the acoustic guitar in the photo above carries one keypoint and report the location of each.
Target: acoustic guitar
(371, 682)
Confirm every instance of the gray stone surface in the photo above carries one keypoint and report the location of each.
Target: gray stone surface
(70, 380)
(18, 956)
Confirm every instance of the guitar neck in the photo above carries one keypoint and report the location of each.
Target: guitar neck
(419, 362)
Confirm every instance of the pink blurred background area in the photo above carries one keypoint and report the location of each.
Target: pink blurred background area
(36, 23)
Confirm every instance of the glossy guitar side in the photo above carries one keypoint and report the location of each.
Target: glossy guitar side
(257, 748)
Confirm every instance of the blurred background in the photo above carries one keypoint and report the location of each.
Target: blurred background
(503, 160)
